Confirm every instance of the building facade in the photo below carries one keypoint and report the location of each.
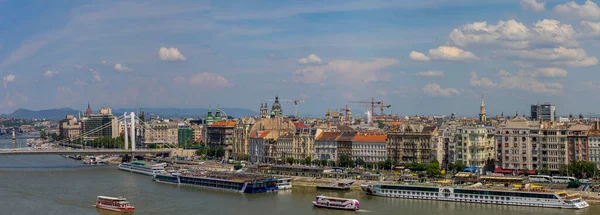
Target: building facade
(475, 145)
(69, 127)
(578, 146)
(411, 143)
(326, 146)
(303, 143)
(594, 144)
(284, 147)
(344, 144)
(99, 125)
(185, 136)
(241, 134)
(543, 112)
(369, 148)
(220, 134)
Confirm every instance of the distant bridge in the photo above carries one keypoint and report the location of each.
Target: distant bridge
(29, 151)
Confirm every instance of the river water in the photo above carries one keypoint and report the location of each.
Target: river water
(50, 184)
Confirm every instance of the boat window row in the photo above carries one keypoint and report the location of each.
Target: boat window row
(500, 193)
(211, 183)
(410, 193)
(425, 189)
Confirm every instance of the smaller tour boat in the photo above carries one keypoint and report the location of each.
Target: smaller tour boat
(336, 203)
(118, 204)
(284, 183)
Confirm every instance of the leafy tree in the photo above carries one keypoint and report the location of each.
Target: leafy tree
(414, 166)
(458, 166)
(562, 169)
(290, 160)
(220, 151)
(308, 160)
(582, 169)
(360, 162)
(387, 164)
(433, 168)
(43, 134)
(352, 164)
(344, 160)
(331, 163)
(545, 171)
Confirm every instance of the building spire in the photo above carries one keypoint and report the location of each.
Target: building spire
(482, 112)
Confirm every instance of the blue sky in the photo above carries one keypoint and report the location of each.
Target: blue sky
(421, 56)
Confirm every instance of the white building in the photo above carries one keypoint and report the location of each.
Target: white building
(369, 148)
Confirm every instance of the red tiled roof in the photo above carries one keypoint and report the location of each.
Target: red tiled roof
(300, 125)
(223, 123)
(370, 138)
(328, 136)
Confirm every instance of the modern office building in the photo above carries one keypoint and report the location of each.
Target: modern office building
(543, 112)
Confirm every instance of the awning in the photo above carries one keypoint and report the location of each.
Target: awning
(504, 171)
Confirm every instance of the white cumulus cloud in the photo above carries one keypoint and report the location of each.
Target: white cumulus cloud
(122, 68)
(588, 10)
(311, 59)
(8, 78)
(96, 75)
(589, 29)
(561, 56)
(513, 34)
(451, 53)
(434, 89)
(418, 56)
(483, 82)
(431, 73)
(549, 72)
(209, 80)
(533, 5)
(50, 73)
(346, 71)
(170, 54)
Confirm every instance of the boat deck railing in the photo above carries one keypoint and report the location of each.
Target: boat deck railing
(238, 177)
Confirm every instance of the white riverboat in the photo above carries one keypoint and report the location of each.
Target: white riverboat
(143, 168)
(336, 203)
(117, 204)
(284, 183)
(521, 197)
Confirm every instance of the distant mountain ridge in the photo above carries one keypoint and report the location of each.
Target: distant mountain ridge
(60, 113)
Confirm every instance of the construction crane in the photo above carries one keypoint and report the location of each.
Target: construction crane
(371, 103)
(347, 114)
(295, 101)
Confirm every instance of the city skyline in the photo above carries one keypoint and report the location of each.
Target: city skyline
(417, 56)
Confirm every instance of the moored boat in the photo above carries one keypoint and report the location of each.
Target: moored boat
(142, 168)
(284, 183)
(233, 182)
(118, 204)
(336, 203)
(339, 185)
(537, 197)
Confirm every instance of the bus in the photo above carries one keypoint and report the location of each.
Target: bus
(562, 179)
(540, 178)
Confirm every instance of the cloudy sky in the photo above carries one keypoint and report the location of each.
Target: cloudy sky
(420, 56)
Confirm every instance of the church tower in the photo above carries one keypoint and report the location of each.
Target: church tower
(482, 114)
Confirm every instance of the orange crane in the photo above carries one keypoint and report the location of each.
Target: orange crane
(371, 103)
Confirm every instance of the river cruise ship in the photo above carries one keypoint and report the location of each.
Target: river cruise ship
(234, 182)
(118, 204)
(336, 203)
(142, 168)
(518, 197)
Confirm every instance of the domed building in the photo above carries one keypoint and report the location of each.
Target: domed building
(276, 108)
(209, 116)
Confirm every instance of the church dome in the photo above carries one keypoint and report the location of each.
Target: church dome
(276, 108)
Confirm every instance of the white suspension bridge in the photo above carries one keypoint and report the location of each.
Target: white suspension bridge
(68, 145)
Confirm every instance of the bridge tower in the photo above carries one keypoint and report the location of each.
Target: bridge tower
(132, 131)
(14, 137)
(125, 131)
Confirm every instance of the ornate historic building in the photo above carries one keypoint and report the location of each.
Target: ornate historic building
(411, 143)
